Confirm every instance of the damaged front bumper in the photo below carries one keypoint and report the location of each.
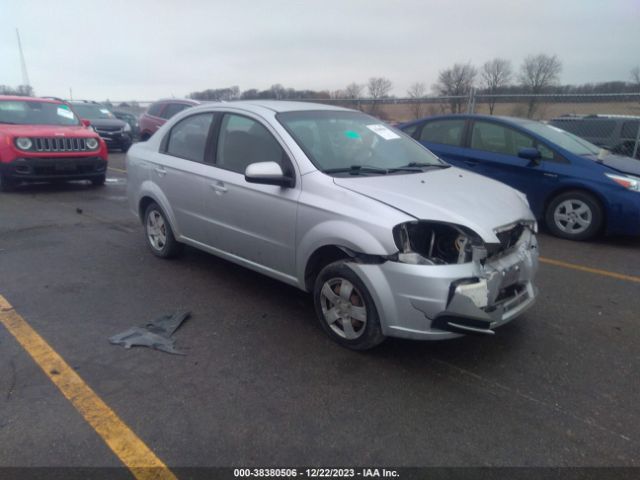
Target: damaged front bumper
(435, 302)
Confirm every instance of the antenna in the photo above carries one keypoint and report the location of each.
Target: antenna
(25, 75)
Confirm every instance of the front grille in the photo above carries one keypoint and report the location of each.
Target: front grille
(108, 129)
(60, 144)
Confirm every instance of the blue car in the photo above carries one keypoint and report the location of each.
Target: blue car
(576, 188)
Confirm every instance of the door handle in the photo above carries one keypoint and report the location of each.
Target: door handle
(161, 171)
(218, 187)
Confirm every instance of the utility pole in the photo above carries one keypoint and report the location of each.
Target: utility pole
(25, 75)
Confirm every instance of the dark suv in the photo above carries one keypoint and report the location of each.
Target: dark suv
(115, 132)
(617, 133)
(43, 140)
(159, 112)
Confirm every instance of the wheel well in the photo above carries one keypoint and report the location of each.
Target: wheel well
(596, 196)
(142, 207)
(320, 259)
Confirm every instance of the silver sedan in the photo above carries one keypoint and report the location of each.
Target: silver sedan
(389, 239)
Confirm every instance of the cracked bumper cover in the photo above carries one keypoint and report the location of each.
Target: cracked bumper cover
(435, 302)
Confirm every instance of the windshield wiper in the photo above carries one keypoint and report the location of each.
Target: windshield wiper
(422, 165)
(8, 123)
(357, 170)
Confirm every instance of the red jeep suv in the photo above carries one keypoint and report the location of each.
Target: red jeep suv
(42, 139)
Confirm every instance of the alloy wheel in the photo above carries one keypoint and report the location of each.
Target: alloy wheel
(156, 230)
(573, 216)
(343, 308)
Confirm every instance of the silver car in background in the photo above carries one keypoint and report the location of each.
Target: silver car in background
(389, 239)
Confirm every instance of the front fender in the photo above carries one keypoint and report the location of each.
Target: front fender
(339, 233)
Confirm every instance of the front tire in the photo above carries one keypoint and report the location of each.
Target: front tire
(159, 234)
(7, 184)
(99, 181)
(574, 215)
(345, 308)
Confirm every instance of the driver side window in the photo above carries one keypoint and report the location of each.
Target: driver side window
(243, 141)
(492, 137)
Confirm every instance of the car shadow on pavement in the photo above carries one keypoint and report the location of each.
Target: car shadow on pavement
(465, 352)
(54, 187)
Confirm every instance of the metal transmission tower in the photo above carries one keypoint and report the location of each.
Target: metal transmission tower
(25, 75)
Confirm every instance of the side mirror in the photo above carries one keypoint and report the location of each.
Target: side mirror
(531, 154)
(85, 122)
(267, 173)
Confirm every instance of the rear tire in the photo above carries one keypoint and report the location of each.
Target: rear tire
(574, 215)
(159, 234)
(345, 309)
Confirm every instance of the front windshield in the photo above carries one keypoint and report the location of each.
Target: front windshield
(93, 112)
(351, 141)
(24, 112)
(563, 139)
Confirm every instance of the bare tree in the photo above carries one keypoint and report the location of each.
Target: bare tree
(496, 74)
(635, 76)
(353, 91)
(537, 73)
(417, 91)
(278, 91)
(456, 82)
(379, 88)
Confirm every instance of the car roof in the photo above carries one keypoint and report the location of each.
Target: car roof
(27, 99)
(463, 116)
(189, 101)
(278, 106)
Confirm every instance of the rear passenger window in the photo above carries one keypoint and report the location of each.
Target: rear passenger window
(446, 132)
(188, 137)
(244, 141)
(411, 129)
(155, 109)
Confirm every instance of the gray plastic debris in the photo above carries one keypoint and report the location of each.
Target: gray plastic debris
(155, 334)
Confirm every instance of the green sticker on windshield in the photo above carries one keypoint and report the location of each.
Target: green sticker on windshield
(66, 107)
(351, 134)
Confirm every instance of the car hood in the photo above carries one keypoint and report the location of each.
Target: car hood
(448, 195)
(107, 122)
(619, 163)
(46, 130)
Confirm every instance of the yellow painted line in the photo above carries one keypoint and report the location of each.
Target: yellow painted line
(597, 271)
(132, 451)
(117, 169)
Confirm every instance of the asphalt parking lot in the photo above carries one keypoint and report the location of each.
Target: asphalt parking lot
(261, 385)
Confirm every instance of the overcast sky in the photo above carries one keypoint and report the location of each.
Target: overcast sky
(144, 50)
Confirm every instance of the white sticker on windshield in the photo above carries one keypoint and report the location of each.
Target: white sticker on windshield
(65, 112)
(104, 110)
(383, 131)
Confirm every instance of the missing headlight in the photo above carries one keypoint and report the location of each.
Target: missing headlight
(434, 243)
